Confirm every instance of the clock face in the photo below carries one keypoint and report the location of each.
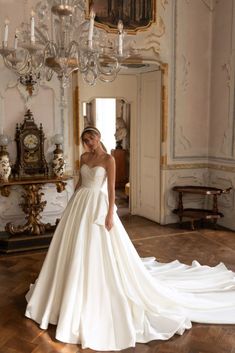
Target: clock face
(30, 141)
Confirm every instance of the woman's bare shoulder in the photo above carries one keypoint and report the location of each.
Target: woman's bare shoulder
(109, 160)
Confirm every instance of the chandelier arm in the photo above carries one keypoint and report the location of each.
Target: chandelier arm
(49, 45)
(72, 45)
(19, 70)
(108, 78)
(113, 69)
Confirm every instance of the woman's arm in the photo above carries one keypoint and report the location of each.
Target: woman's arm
(111, 172)
(79, 175)
(79, 181)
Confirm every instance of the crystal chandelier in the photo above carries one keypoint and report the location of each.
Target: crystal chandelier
(63, 41)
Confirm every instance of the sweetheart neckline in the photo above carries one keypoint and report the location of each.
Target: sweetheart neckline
(96, 166)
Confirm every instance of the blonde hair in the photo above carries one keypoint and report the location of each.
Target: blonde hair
(94, 132)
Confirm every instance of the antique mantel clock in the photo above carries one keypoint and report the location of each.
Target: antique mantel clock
(30, 159)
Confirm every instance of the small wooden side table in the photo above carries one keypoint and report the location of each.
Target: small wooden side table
(197, 213)
(32, 204)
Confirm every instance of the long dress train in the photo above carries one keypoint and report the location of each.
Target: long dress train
(98, 291)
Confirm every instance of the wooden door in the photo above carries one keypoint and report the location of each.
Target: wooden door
(149, 149)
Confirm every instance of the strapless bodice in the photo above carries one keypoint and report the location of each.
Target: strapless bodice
(93, 177)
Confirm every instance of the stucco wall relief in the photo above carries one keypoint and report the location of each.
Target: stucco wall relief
(164, 4)
(182, 140)
(185, 73)
(226, 201)
(210, 4)
(226, 67)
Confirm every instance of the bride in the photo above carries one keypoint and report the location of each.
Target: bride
(99, 292)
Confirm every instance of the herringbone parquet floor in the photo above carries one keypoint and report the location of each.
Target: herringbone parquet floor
(20, 335)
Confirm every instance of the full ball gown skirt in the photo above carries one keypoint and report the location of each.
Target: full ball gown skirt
(98, 291)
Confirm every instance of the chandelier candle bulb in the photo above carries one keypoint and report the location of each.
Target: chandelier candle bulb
(32, 27)
(91, 27)
(6, 29)
(120, 38)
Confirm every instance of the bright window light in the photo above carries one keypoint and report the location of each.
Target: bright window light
(106, 121)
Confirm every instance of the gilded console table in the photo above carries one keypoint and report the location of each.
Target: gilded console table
(197, 213)
(32, 203)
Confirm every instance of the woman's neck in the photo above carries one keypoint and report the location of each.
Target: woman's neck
(98, 152)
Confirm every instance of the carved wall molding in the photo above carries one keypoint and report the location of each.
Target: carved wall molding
(185, 75)
(227, 149)
(159, 28)
(182, 139)
(164, 4)
(149, 42)
(226, 200)
(228, 71)
(210, 4)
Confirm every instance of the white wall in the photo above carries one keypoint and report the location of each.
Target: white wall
(222, 119)
(201, 120)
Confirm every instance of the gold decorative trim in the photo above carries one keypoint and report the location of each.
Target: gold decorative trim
(185, 166)
(164, 69)
(164, 160)
(219, 167)
(76, 129)
(225, 168)
(5, 190)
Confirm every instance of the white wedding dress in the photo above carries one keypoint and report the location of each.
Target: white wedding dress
(98, 291)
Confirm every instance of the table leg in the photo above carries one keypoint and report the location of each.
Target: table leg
(215, 209)
(180, 207)
(33, 206)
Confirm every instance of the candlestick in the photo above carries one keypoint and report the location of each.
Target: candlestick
(32, 27)
(91, 27)
(6, 29)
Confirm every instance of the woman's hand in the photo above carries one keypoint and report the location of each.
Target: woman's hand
(109, 221)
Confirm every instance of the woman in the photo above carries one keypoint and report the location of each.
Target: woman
(99, 292)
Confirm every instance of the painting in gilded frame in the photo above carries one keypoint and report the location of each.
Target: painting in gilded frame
(135, 14)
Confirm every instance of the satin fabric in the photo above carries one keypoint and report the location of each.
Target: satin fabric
(98, 291)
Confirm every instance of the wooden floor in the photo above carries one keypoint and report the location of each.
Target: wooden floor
(21, 335)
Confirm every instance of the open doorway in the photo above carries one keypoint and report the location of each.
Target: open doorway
(112, 117)
(139, 87)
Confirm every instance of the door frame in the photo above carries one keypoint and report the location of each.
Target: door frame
(135, 150)
(134, 146)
